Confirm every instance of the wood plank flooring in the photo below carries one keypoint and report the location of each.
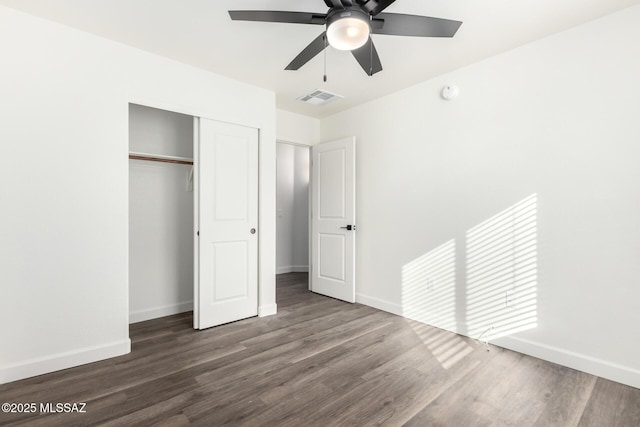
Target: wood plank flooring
(320, 362)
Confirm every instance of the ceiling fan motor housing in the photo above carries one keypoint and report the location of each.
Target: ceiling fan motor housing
(352, 12)
(348, 28)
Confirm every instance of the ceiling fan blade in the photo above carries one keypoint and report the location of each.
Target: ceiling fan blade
(381, 5)
(367, 57)
(278, 16)
(397, 24)
(308, 53)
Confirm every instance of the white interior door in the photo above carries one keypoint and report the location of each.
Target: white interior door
(333, 212)
(228, 219)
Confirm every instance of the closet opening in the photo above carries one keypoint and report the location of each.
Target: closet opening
(292, 218)
(161, 214)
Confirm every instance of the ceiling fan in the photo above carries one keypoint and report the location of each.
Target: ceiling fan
(349, 25)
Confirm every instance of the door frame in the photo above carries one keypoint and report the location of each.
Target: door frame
(196, 222)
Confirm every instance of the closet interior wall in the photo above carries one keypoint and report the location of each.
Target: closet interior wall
(160, 215)
(292, 204)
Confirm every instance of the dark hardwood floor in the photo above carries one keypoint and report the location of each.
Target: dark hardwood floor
(321, 362)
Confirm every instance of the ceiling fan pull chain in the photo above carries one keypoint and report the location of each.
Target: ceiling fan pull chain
(370, 57)
(370, 49)
(324, 78)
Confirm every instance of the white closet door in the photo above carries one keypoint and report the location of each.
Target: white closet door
(228, 241)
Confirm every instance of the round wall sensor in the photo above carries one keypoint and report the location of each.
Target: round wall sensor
(449, 92)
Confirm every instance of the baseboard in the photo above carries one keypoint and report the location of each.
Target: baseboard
(570, 359)
(292, 269)
(59, 361)
(380, 304)
(267, 310)
(154, 313)
(580, 362)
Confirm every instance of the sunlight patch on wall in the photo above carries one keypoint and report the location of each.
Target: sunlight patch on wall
(502, 272)
(429, 287)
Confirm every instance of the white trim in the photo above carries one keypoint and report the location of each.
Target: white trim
(570, 359)
(196, 222)
(580, 362)
(292, 269)
(59, 361)
(155, 312)
(310, 221)
(380, 304)
(267, 310)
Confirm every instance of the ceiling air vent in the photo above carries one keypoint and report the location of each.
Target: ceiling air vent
(319, 97)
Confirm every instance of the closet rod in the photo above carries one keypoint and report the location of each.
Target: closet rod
(159, 158)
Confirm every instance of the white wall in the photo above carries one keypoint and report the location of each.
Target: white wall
(292, 127)
(557, 119)
(156, 131)
(160, 215)
(300, 222)
(292, 228)
(64, 223)
(285, 166)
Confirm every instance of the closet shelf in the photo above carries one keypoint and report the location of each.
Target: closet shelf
(160, 158)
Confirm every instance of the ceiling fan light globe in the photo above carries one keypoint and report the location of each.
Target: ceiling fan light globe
(348, 33)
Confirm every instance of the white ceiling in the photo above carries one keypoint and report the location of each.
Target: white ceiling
(200, 33)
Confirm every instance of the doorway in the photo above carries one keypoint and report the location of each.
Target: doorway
(292, 214)
(193, 226)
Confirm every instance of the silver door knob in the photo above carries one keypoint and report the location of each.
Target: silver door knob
(253, 231)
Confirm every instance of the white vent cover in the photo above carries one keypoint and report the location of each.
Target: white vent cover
(319, 97)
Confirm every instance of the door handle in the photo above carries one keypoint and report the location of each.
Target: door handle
(349, 227)
(252, 231)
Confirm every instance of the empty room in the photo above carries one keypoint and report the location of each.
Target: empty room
(320, 213)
